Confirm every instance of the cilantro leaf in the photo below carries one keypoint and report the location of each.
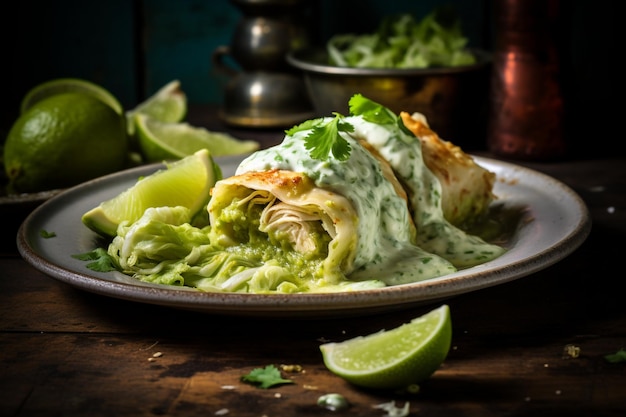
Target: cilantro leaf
(375, 113)
(325, 139)
(265, 377)
(46, 234)
(371, 111)
(619, 356)
(306, 125)
(102, 260)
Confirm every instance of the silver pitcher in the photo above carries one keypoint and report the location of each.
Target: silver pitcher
(265, 91)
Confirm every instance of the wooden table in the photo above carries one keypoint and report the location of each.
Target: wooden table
(66, 352)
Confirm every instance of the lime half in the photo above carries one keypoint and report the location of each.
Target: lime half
(69, 85)
(160, 141)
(168, 104)
(396, 358)
(186, 182)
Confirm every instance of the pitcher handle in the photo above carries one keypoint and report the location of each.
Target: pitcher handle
(219, 62)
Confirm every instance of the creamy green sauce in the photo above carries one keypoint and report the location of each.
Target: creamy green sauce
(435, 234)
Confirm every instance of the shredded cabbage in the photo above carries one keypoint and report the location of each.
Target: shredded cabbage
(403, 42)
(163, 248)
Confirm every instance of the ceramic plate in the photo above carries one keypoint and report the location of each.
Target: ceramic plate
(553, 222)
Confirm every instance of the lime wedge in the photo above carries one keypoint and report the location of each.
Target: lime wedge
(168, 104)
(396, 358)
(69, 85)
(186, 182)
(160, 141)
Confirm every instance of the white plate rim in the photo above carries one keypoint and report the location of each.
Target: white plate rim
(555, 209)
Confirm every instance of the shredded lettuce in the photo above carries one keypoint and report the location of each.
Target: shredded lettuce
(163, 248)
(401, 41)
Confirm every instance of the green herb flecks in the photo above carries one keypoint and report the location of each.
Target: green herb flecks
(46, 234)
(102, 262)
(266, 377)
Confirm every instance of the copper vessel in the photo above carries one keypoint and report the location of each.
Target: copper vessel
(526, 120)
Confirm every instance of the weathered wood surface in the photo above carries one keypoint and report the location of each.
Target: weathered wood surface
(66, 352)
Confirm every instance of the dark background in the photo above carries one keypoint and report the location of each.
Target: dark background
(133, 48)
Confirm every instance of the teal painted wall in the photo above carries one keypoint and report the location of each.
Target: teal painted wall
(179, 38)
(133, 47)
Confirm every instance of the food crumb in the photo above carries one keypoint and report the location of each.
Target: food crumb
(291, 368)
(545, 365)
(151, 346)
(413, 389)
(221, 412)
(558, 392)
(310, 387)
(157, 354)
(229, 387)
(278, 395)
(610, 210)
(151, 359)
(571, 351)
(527, 399)
(393, 411)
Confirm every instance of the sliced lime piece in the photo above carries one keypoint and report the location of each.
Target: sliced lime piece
(168, 104)
(160, 141)
(186, 182)
(396, 358)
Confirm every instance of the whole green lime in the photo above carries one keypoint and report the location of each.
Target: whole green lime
(64, 140)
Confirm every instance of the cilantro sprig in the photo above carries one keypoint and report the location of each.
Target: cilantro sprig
(325, 139)
(102, 261)
(266, 377)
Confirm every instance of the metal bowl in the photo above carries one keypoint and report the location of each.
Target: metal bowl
(454, 99)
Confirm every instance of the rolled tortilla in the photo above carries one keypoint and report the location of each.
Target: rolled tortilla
(466, 187)
(358, 204)
(292, 213)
